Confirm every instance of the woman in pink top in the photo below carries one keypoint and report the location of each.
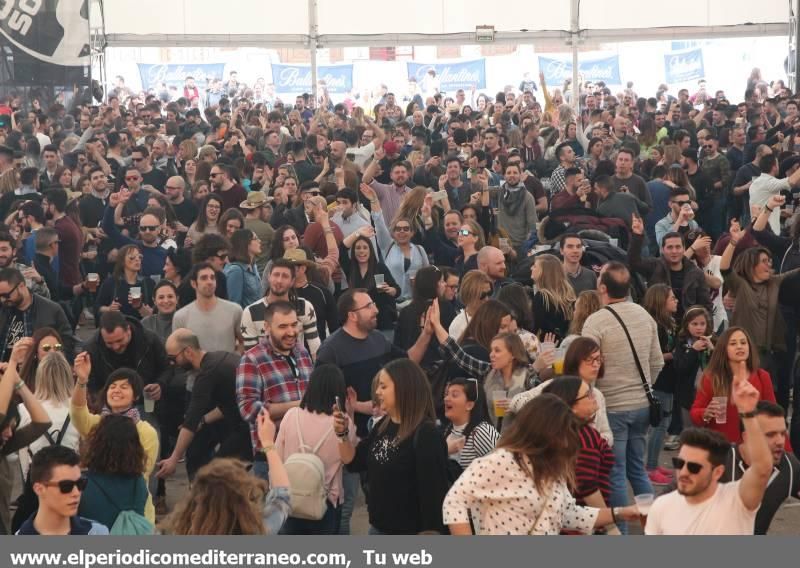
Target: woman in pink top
(312, 422)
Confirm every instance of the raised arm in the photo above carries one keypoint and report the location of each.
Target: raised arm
(755, 479)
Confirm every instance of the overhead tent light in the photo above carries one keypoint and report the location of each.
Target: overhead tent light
(484, 33)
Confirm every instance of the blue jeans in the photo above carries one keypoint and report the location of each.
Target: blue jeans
(261, 470)
(655, 439)
(328, 524)
(630, 440)
(351, 483)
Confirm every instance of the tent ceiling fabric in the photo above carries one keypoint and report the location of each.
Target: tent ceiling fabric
(263, 23)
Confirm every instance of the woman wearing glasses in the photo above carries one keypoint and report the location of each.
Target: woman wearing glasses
(12, 437)
(120, 395)
(207, 219)
(470, 241)
(114, 460)
(402, 257)
(126, 291)
(45, 340)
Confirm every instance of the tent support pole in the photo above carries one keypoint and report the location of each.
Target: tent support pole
(574, 30)
(313, 35)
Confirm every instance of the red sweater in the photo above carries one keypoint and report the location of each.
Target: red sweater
(759, 379)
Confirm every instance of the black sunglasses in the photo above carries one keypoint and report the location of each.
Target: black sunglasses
(486, 294)
(7, 295)
(682, 203)
(464, 232)
(66, 486)
(693, 467)
(148, 228)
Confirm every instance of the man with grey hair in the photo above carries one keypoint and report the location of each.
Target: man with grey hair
(212, 426)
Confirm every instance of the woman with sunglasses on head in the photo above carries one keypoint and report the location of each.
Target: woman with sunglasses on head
(470, 241)
(113, 460)
(12, 437)
(523, 486)
(207, 218)
(474, 291)
(118, 293)
(734, 359)
(468, 435)
(120, 395)
(45, 340)
(595, 456)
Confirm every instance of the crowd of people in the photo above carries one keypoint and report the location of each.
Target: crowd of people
(489, 315)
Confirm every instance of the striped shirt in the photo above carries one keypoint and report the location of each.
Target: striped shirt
(593, 467)
(481, 441)
(253, 324)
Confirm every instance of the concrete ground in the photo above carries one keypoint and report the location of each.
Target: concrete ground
(786, 521)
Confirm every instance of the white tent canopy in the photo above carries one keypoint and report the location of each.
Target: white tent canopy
(267, 23)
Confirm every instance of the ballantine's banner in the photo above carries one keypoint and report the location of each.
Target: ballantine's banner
(684, 66)
(56, 31)
(452, 76)
(153, 75)
(556, 70)
(297, 78)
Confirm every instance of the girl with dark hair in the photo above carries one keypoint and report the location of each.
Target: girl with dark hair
(691, 356)
(523, 486)
(177, 267)
(165, 298)
(123, 389)
(117, 292)
(243, 280)
(469, 436)
(661, 303)
(364, 267)
(229, 222)
(207, 218)
(404, 455)
(735, 359)
(428, 285)
(309, 426)
(114, 460)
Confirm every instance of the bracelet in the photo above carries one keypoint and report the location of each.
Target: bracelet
(344, 435)
(614, 514)
(768, 209)
(267, 449)
(751, 414)
(82, 385)
(19, 385)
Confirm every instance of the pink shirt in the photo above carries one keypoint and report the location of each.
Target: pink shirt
(314, 426)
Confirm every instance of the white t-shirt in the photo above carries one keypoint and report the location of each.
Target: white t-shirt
(722, 514)
(762, 188)
(458, 325)
(361, 154)
(719, 313)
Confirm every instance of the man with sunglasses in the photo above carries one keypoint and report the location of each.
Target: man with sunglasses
(57, 481)
(153, 255)
(680, 218)
(231, 193)
(702, 505)
(140, 158)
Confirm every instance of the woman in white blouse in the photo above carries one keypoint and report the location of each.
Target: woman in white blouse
(523, 486)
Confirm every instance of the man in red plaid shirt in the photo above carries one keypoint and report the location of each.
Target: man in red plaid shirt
(273, 374)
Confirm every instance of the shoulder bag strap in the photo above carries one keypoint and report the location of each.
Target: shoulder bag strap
(63, 431)
(645, 384)
(299, 432)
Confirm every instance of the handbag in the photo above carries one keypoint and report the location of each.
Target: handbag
(656, 412)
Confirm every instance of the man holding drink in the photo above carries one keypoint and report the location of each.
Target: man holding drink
(701, 504)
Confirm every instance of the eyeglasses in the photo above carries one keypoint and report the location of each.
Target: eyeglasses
(766, 260)
(47, 347)
(466, 233)
(707, 146)
(403, 229)
(222, 255)
(173, 358)
(148, 228)
(596, 360)
(364, 307)
(693, 467)
(214, 175)
(210, 206)
(66, 486)
(7, 295)
(485, 294)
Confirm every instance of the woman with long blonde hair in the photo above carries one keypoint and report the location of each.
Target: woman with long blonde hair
(226, 499)
(588, 302)
(554, 299)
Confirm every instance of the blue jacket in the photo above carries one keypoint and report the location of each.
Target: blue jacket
(78, 526)
(243, 283)
(153, 258)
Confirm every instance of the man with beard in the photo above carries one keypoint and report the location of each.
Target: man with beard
(23, 312)
(153, 255)
(360, 351)
(281, 281)
(785, 479)
(390, 195)
(272, 376)
(69, 235)
(214, 321)
(8, 250)
(702, 505)
(212, 418)
(516, 207)
(232, 194)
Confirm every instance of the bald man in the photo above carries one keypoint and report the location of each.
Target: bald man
(492, 262)
(212, 417)
(185, 209)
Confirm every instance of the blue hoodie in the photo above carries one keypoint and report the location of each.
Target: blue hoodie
(78, 526)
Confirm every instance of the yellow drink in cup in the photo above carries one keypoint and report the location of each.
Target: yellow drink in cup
(558, 364)
(499, 398)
